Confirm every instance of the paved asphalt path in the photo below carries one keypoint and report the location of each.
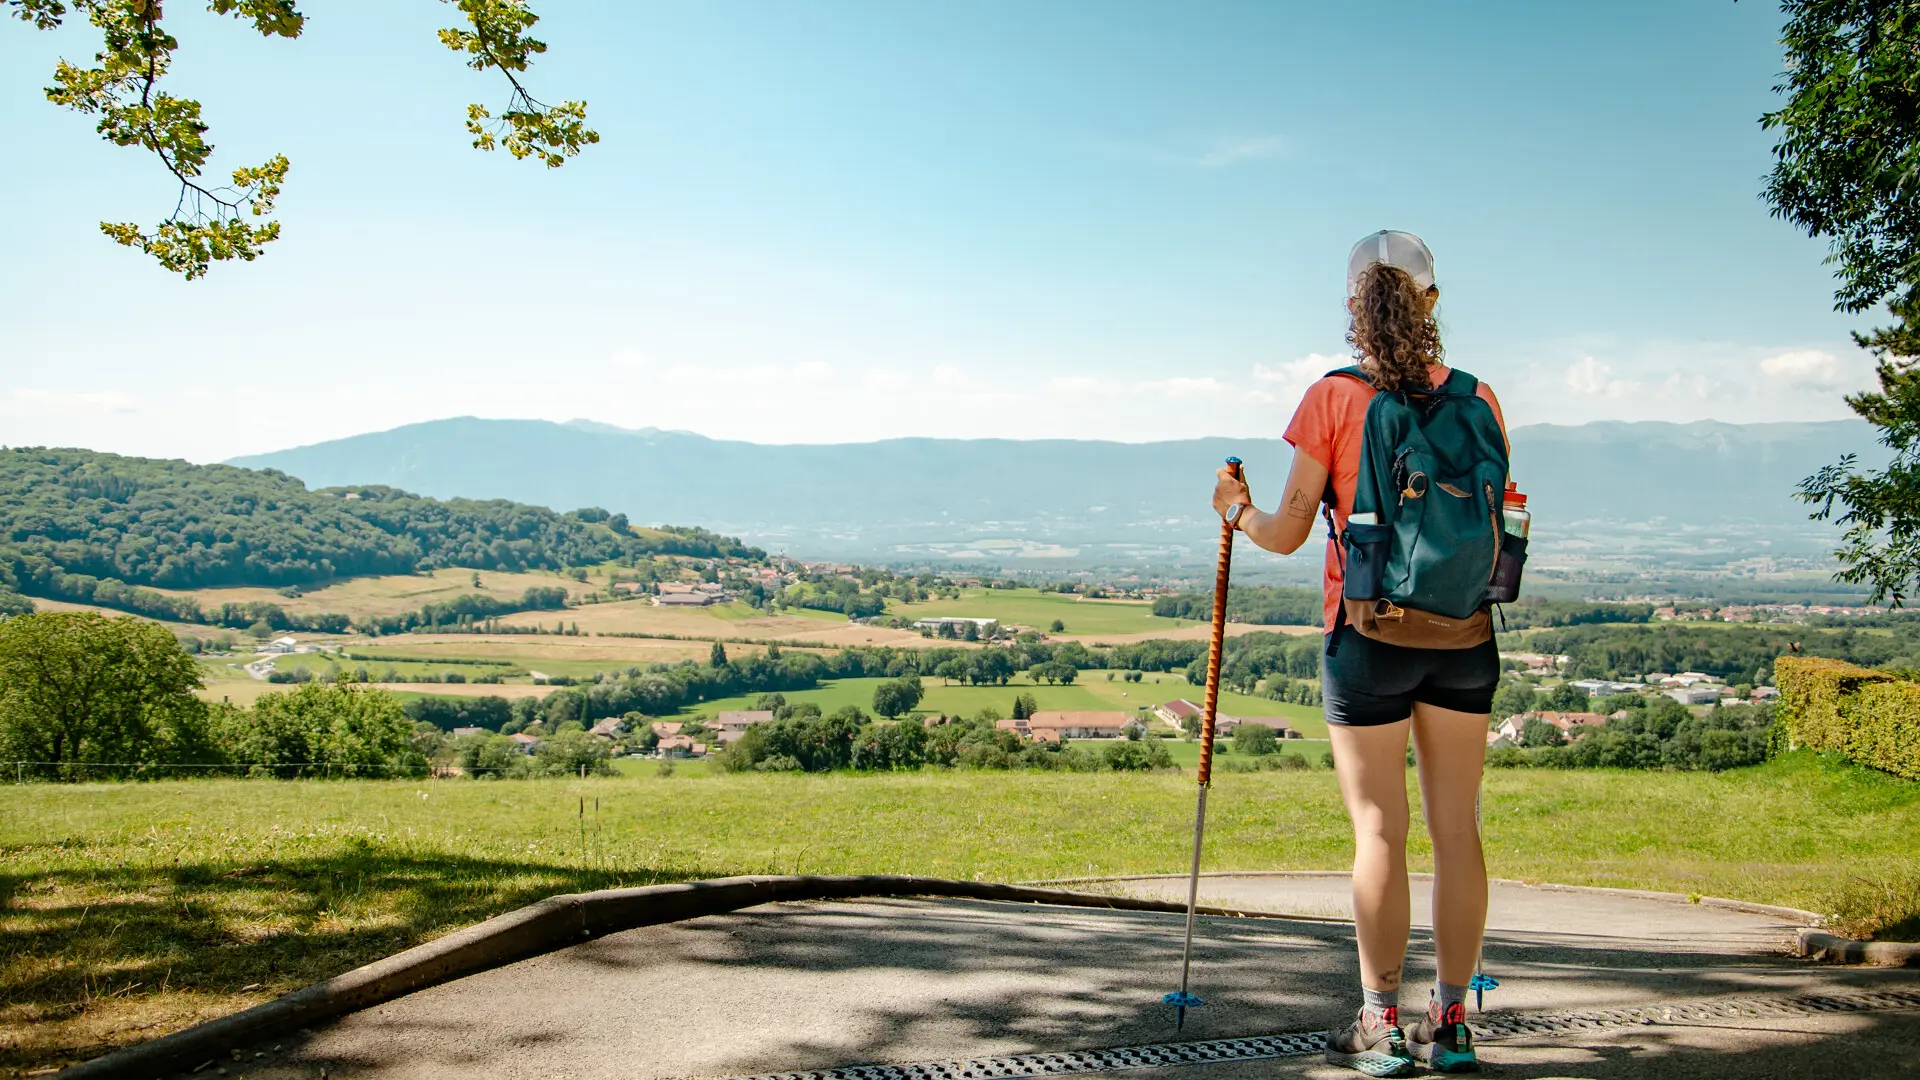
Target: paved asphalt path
(803, 986)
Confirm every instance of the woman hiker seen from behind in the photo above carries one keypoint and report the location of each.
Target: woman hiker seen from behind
(1411, 458)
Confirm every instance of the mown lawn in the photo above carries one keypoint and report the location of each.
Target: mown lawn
(127, 911)
(1091, 692)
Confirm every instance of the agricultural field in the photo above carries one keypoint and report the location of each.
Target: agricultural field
(734, 620)
(426, 654)
(393, 594)
(1091, 692)
(136, 909)
(1037, 610)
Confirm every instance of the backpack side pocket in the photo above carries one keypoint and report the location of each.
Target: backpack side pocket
(1367, 548)
(1505, 587)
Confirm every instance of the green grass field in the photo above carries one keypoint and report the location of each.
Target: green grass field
(132, 910)
(1093, 692)
(1031, 607)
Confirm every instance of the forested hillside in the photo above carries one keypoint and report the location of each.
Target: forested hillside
(73, 522)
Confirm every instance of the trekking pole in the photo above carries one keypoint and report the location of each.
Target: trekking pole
(1182, 1000)
(1482, 982)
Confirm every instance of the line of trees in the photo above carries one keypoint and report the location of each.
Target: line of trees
(1655, 733)
(1735, 653)
(85, 696)
(1266, 606)
(802, 739)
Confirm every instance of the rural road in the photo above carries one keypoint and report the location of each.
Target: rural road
(809, 986)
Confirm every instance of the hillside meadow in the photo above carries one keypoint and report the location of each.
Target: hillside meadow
(132, 910)
(393, 594)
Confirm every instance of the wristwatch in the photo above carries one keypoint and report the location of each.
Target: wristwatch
(1234, 512)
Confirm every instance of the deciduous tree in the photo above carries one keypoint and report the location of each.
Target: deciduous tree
(77, 687)
(210, 221)
(1847, 169)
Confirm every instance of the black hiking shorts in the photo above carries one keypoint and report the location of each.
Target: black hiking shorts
(1367, 683)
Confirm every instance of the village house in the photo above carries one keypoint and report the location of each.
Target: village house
(461, 732)
(1079, 725)
(958, 625)
(1175, 712)
(733, 724)
(1603, 687)
(689, 596)
(1697, 694)
(526, 742)
(1571, 724)
(666, 728)
(1536, 663)
(1224, 724)
(611, 727)
(679, 746)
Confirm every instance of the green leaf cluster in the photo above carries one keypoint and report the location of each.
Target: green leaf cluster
(82, 688)
(1871, 717)
(1847, 168)
(210, 224)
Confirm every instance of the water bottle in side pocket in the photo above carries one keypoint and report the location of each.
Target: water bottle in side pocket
(1514, 524)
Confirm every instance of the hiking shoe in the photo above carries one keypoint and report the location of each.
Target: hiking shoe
(1445, 1043)
(1372, 1044)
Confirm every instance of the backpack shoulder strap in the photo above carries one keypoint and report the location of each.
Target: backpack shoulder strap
(1460, 384)
(1354, 371)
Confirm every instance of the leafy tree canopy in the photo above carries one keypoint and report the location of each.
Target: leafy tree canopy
(140, 521)
(1847, 168)
(210, 222)
(77, 687)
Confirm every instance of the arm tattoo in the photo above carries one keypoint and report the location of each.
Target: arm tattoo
(1299, 506)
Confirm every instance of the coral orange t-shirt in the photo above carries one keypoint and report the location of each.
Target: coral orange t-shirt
(1327, 427)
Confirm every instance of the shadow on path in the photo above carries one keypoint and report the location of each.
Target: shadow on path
(820, 985)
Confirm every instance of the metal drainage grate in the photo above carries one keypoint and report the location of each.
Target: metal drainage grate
(1495, 1025)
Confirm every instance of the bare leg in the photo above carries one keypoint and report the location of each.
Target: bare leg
(1452, 748)
(1372, 765)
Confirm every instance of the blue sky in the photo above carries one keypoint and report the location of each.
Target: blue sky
(840, 221)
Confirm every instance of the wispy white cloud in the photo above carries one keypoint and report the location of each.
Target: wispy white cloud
(1236, 151)
(1817, 370)
(1206, 153)
(1678, 382)
(1590, 377)
(72, 402)
(1286, 381)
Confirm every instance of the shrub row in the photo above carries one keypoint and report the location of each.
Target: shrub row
(1871, 717)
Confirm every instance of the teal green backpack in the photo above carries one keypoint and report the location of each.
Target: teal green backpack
(1433, 468)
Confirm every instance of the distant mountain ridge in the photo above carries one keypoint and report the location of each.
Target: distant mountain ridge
(902, 495)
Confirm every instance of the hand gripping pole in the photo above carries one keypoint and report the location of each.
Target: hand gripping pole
(1182, 1000)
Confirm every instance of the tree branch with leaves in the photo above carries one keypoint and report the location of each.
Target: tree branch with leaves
(1847, 168)
(214, 222)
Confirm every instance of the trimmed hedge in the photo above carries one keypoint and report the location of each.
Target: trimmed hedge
(1870, 716)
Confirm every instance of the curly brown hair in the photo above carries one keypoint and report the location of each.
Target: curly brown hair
(1393, 332)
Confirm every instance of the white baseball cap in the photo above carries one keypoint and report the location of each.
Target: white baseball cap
(1401, 250)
